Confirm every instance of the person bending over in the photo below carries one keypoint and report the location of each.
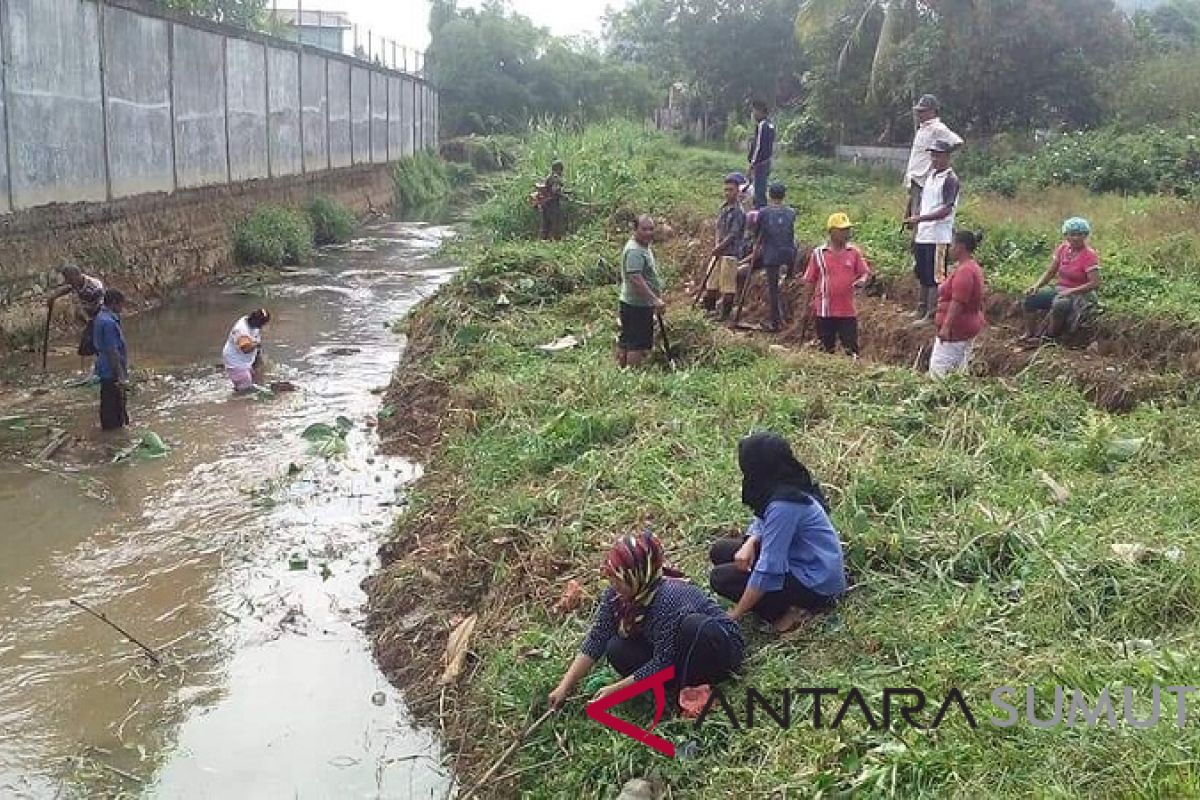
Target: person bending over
(646, 622)
(790, 562)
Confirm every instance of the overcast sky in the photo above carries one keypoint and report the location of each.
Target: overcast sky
(407, 21)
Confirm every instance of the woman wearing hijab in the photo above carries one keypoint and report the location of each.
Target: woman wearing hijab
(243, 349)
(646, 622)
(790, 561)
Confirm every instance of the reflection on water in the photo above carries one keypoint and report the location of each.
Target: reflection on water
(239, 556)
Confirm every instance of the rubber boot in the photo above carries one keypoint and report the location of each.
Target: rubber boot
(929, 303)
(922, 304)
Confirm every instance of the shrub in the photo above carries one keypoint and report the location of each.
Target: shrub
(273, 235)
(332, 222)
(420, 180)
(483, 153)
(807, 135)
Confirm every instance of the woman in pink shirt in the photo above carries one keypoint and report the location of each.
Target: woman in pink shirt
(959, 317)
(1077, 268)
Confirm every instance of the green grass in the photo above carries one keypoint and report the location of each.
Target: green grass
(274, 236)
(969, 574)
(332, 222)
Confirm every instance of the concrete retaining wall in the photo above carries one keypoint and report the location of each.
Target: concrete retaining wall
(107, 99)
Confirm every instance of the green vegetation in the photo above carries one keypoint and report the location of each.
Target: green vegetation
(420, 180)
(973, 570)
(332, 222)
(273, 235)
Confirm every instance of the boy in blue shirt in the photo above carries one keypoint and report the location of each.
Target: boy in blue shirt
(112, 362)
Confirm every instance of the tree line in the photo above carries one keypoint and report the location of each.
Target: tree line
(839, 69)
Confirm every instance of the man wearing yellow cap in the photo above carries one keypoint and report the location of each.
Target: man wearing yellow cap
(835, 270)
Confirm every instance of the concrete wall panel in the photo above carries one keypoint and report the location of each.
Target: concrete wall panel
(137, 90)
(199, 78)
(314, 111)
(395, 145)
(56, 116)
(5, 207)
(409, 112)
(379, 117)
(246, 63)
(283, 111)
(341, 153)
(360, 114)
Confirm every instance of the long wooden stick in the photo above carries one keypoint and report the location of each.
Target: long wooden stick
(507, 754)
(153, 656)
(704, 284)
(46, 337)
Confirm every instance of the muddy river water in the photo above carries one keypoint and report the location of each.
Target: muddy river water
(238, 556)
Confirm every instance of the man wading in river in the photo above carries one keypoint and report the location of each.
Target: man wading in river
(112, 362)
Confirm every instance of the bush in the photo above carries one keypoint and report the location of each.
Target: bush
(420, 180)
(807, 135)
(483, 153)
(1147, 161)
(273, 235)
(332, 222)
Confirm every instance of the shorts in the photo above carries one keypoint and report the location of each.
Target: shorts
(241, 377)
(86, 346)
(637, 327)
(830, 329)
(723, 279)
(950, 357)
(931, 264)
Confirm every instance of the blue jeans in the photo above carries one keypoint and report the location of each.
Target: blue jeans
(762, 174)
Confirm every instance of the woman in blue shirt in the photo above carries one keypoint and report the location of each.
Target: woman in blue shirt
(790, 562)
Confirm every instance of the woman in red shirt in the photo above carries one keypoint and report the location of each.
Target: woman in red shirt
(1077, 268)
(960, 308)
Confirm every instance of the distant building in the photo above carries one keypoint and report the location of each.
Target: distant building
(323, 29)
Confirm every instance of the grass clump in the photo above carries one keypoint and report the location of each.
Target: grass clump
(421, 180)
(275, 236)
(332, 222)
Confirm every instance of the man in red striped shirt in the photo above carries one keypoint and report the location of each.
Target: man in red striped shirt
(835, 270)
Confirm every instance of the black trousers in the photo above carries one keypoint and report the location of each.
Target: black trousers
(774, 295)
(113, 414)
(830, 329)
(704, 652)
(730, 582)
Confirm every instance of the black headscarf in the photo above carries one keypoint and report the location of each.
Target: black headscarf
(771, 472)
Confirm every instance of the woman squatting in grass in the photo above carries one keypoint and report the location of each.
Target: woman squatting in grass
(790, 562)
(646, 622)
(1077, 268)
(960, 316)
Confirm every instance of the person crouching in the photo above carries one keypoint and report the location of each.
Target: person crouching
(790, 563)
(646, 622)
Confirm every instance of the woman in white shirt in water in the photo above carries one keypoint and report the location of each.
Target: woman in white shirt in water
(242, 354)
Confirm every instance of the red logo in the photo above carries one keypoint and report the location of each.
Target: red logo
(598, 710)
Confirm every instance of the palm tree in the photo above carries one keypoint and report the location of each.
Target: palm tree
(899, 19)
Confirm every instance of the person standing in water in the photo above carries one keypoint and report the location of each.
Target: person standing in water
(243, 350)
(112, 361)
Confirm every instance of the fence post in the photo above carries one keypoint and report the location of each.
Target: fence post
(300, 79)
(108, 195)
(6, 36)
(225, 78)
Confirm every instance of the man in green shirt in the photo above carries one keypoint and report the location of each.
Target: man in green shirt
(641, 296)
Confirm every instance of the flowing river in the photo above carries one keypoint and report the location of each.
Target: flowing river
(237, 557)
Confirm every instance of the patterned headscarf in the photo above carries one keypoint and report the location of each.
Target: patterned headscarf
(637, 561)
(1076, 225)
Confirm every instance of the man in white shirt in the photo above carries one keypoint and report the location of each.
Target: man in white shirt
(930, 129)
(934, 224)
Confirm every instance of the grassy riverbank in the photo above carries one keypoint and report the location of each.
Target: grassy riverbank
(971, 572)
